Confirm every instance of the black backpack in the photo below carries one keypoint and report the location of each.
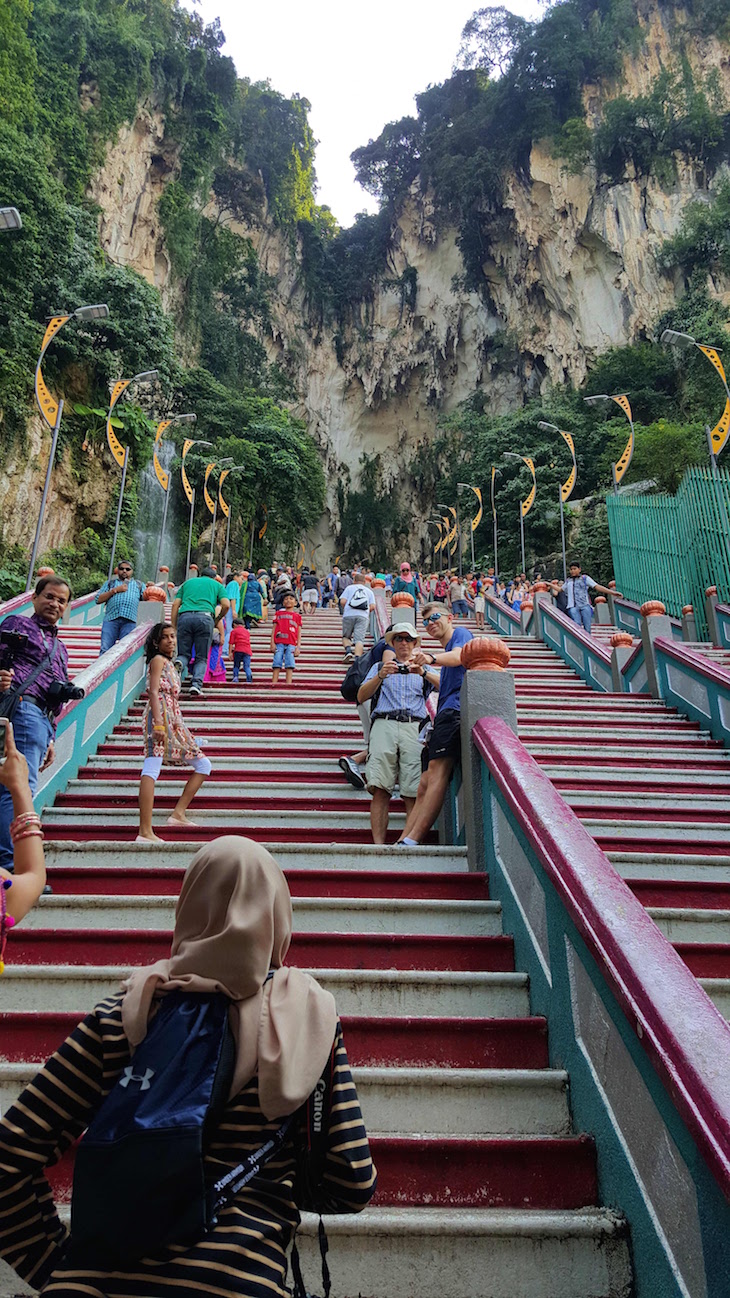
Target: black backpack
(358, 670)
(561, 601)
(139, 1178)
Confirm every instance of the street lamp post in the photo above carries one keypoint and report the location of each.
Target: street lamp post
(121, 453)
(495, 471)
(163, 476)
(566, 487)
(717, 436)
(454, 531)
(50, 409)
(226, 509)
(528, 502)
(468, 486)
(213, 504)
(10, 219)
(433, 522)
(618, 469)
(189, 492)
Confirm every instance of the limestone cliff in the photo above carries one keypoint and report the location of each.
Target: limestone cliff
(571, 272)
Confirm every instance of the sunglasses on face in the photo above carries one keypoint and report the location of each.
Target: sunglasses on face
(401, 639)
(435, 617)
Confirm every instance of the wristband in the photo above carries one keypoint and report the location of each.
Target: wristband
(30, 831)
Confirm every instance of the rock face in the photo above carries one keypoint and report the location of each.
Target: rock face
(572, 272)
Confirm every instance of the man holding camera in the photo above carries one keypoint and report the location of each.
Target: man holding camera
(31, 651)
(398, 688)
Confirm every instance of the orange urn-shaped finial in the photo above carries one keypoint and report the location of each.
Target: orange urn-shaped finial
(621, 638)
(653, 608)
(402, 599)
(485, 654)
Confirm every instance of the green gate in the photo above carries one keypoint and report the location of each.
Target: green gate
(673, 547)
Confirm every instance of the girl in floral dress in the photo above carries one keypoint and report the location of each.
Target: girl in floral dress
(167, 740)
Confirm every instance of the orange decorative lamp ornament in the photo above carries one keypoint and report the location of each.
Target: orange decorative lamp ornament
(485, 654)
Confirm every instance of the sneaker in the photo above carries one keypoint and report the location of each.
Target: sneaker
(352, 772)
(178, 665)
(195, 688)
(47, 891)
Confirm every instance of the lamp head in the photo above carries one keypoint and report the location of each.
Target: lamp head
(147, 376)
(671, 338)
(599, 400)
(184, 419)
(512, 455)
(10, 219)
(99, 311)
(547, 428)
(197, 442)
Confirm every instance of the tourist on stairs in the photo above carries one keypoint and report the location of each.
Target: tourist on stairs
(281, 1043)
(443, 750)
(356, 601)
(197, 609)
(21, 890)
(397, 688)
(286, 636)
(167, 740)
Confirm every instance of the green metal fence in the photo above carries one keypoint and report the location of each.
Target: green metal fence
(672, 547)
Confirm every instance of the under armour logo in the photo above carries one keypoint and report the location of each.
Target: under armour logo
(144, 1080)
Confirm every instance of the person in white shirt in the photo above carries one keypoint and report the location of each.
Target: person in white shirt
(356, 603)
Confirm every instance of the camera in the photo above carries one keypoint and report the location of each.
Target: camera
(403, 669)
(60, 692)
(12, 647)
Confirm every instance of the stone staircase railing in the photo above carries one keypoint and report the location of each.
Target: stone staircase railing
(695, 686)
(81, 612)
(647, 1052)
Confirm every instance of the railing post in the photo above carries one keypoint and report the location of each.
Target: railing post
(711, 602)
(622, 648)
(654, 623)
(487, 691)
(611, 606)
(689, 624)
(540, 595)
(526, 609)
(603, 613)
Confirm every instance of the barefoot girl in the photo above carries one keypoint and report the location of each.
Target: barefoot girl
(167, 739)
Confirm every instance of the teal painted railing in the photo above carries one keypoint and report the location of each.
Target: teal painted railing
(112, 683)
(696, 686)
(502, 617)
(673, 547)
(82, 612)
(647, 1053)
(628, 618)
(634, 678)
(577, 648)
(722, 617)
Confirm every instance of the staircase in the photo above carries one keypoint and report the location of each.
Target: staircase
(485, 1191)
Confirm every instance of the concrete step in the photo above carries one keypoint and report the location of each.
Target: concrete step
(452, 1102)
(651, 835)
(578, 780)
(291, 856)
(477, 1253)
(677, 866)
(683, 924)
(472, 1253)
(357, 991)
(164, 881)
(311, 914)
(718, 990)
(699, 808)
(375, 1042)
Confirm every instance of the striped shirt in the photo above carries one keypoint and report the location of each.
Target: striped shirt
(124, 605)
(243, 1254)
(399, 693)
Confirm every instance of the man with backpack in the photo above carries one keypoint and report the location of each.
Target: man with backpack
(573, 597)
(356, 601)
(340, 582)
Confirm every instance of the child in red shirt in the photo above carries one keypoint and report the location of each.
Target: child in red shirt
(240, 642)
(286, 634)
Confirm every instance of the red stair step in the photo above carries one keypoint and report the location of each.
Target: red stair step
(275, 833)
(455, 1172)
(310, 950)
(371, 1042)
(157, 881)
(270, 801)
(680, 893)
(705, 959)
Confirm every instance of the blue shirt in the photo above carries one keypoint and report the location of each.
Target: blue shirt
(399, 693)
(124, 605)
(451, 677)
(233, 593)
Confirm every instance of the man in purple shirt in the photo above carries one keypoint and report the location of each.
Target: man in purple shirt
(34, 723)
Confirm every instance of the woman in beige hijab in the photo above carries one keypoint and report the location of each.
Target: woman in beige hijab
(233, 924)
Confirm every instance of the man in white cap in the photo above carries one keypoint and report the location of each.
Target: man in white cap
(397, 688)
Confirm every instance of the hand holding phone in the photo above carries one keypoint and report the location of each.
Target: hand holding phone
(13, 766)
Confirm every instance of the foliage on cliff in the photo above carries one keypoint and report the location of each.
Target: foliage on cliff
(71, 72)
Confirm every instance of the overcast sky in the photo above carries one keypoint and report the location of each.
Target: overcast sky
(359, 65)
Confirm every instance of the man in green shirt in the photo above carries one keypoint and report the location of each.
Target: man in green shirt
(199, 606)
